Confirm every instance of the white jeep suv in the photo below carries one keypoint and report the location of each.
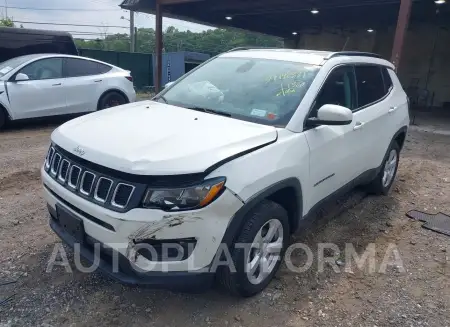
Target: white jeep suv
(210, 178)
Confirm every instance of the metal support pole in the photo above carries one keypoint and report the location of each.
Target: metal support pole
(132, 40)
(135, 39)
(159, 47)
(400, 32)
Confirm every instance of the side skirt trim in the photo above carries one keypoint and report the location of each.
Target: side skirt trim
(362, 179)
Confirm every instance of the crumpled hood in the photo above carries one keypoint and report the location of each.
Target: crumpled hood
(151, 138)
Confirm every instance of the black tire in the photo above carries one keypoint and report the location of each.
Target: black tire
(238, 282)
(111, 99)
(376, 186)
(3, 118)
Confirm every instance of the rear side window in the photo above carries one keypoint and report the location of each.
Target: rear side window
(80, 67)
(370, 84)
(387, 80)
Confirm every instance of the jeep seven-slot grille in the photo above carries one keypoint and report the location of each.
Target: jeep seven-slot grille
(92, 185)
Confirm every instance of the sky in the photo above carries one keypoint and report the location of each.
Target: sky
(105, 13)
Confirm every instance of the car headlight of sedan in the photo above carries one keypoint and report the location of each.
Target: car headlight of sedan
(188, 198)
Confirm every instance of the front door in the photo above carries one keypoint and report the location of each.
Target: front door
(43, 94)
(333, 161)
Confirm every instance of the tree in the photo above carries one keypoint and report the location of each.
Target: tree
(6, 22)
(210, 41)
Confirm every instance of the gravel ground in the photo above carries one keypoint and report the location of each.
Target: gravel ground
(419, 295)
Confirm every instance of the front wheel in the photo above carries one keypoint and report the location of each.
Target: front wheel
(258, 250)
(111, 99)
(385, 178)
(2, 118)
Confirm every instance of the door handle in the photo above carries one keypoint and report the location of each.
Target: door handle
(392, 109)
(98, 81)
(358, 125)
(57, 84)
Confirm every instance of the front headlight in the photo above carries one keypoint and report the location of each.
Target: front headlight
(188, 198)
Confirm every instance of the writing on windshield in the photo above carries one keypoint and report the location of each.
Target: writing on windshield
(258, 90)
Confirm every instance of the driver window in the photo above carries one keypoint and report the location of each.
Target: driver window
(49, 68)
(339, 89)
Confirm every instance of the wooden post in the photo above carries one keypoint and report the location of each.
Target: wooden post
(159, 47)
(400, 32)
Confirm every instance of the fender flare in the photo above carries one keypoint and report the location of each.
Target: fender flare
(238, 220)
(404, 129)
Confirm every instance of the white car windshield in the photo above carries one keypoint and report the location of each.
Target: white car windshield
(257, 90)
(8, 65)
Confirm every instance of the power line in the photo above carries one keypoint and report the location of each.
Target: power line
(66, 24)
(63, 9)
(88, 33)
(181, 23)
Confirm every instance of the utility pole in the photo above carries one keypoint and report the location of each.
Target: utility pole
(132, 38)
(6, 9)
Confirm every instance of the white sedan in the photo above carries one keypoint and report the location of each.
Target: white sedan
(40, 85)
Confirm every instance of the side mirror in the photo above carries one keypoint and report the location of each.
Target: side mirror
(331, 114)
(21, 77)
(168, 85)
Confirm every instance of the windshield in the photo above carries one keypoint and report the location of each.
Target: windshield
(257, 90)
(8, 65)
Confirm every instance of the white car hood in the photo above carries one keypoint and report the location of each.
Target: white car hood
(150, 138)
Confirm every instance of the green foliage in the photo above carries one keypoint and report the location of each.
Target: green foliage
(116, 42)
(210, 41)
(6, 22)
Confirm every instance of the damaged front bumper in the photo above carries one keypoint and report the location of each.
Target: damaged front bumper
(121, 234)
(123, 271)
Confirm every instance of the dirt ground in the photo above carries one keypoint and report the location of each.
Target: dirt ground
(416, 296)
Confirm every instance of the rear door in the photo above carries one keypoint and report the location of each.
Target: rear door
(85, 81)
(43, 94)
(373, 113)
(333, 161)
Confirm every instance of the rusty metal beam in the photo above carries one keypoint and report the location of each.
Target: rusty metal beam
(159, 46)
(400, 33)
(281, 6)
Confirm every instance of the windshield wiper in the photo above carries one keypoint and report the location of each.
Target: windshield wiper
(162, 98)
(210, 111)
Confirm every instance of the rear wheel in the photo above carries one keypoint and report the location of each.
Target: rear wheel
(261, 246)
(385, 178)
(111, 99)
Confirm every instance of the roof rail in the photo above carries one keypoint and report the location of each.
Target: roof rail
(252, 48)
(355, 53)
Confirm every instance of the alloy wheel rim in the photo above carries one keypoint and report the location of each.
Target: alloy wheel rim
(264, 252)
(112, 103)
(389, 168)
